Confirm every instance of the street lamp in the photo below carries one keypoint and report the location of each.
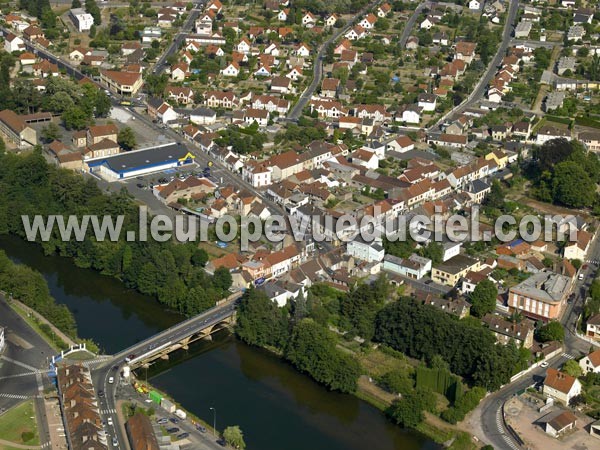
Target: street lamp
(214, 420)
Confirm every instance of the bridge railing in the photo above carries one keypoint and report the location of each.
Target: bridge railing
(217, 306)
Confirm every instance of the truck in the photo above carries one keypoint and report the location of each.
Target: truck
(181, 414)
(167, 405)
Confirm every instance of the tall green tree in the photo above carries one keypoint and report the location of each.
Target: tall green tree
(483, 298)
(234, 437)
(126, 138)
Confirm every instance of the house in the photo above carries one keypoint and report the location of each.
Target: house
(591, 362)
(215, 5)
(451, 271)
(458, 307)
(365, 251)
(575, 33)
(45, 69)
(415, 267)
(329, 87)
(566, 63)
(150, 34)
(281, 85)
(257, 174)
(302, 50)
(401, 144)
(523, 29)
(474, 5)
(27, 59)
(183, 189)
(561, 386)
(16, 130)
(591, 140)
(179, 72)
(122, 83)
(309, 20)
(13, 43)
(203, 116)
(140, 433)
(183, 95)
(77, 54)
(384, 10)
(331, 20)
(561, 423)
(592, 329)
(579, 248)
(412, 43)
(98, 133)
(465, 51)
(548, 132)
(427, 23)
(410, 114)
(33, 33)
(105, 147)
(81, 19)
(427, 102)
(447, 140)
(232, 70)
(294, 74)
(368, 22)
(365, 158)
(260, 116)
(541, 296)
(506, 331)
(244, 46)
(356, 33)
(283, 14)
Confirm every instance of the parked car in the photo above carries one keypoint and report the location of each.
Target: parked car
(172, 430)
(109, 421)
(544, 364)
(162, 420)
(200, 428)
(111, 380)
(182, 435)
(115, 442)
(174, 419)
(100, 394)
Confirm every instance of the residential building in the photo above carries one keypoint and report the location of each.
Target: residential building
(579, 248)
(13, 43)
(414, 266)
(81, 19)
(561, 386)
(540, 297)
(505, 331)
(591, 140)
(98, 133)
(16, 130)
(592, 329)
(548, 132)
(451, 271)
(591, 362)
(122, 83)
(365, 251)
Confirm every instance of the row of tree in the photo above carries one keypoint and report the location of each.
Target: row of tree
(309, 346)
(172, 273)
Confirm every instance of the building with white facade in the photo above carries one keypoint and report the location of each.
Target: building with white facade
(82, 20)
(366, 251)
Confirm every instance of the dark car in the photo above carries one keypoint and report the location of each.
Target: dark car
(182, 435)
(140, 185)
(174, 419)
(172, 430)
(100, 394)
(200, 428)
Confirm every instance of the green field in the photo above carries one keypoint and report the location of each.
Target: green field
(19, 421)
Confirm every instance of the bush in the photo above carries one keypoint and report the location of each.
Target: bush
(464, 405)
(27, 436)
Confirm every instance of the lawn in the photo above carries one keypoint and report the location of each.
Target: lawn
(18, 422)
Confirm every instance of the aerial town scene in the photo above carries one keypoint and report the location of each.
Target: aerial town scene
(299, 224)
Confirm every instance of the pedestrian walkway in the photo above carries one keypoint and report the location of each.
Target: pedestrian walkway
(15, 396)
(25, 374)
(566, 355)
(108, 411)
(13, 445)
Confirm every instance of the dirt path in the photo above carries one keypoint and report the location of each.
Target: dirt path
(14, 445)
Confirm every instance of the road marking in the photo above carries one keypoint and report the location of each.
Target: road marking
(18, 363)
(15, 396)
(26, 374)
(566, 355)
(108, 411)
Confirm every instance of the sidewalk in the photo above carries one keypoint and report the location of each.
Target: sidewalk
(42, 319)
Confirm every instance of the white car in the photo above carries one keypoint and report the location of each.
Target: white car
(544, 364)
(109, 421)
(111, 380)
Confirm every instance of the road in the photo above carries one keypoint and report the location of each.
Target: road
(110, 367)
(574, 347)
(410, 24)
(23, 365)
(481, 86)
(296, 111)
(160, 65)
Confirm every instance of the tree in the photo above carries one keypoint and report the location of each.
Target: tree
(199, 257)
(572, 368)
(75, 118)
(483, 298)
(572, 185)
(75, 4)
(102, 104)
(259, 320)
(51, 132)
(126, 138)
(234, 437)
(434, 251)
(222, 278)
(552, 331)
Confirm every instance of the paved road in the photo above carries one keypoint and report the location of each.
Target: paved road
(484, 81)
(23, 365)
(110, 367)
(296, 111)
(410, 23)
(574, 347)
(161, 65)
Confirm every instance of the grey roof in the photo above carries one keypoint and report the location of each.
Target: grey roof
(456, 264)
(545, 286)
(125, 162)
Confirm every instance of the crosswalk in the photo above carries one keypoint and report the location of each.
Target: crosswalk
(566, 355)
(96, 361)
(108, 411)
(505, 437)
(25, 374)
(14, 396)
(593, 261)
(46, 444)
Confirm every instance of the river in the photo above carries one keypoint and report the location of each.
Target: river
(274, 405)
